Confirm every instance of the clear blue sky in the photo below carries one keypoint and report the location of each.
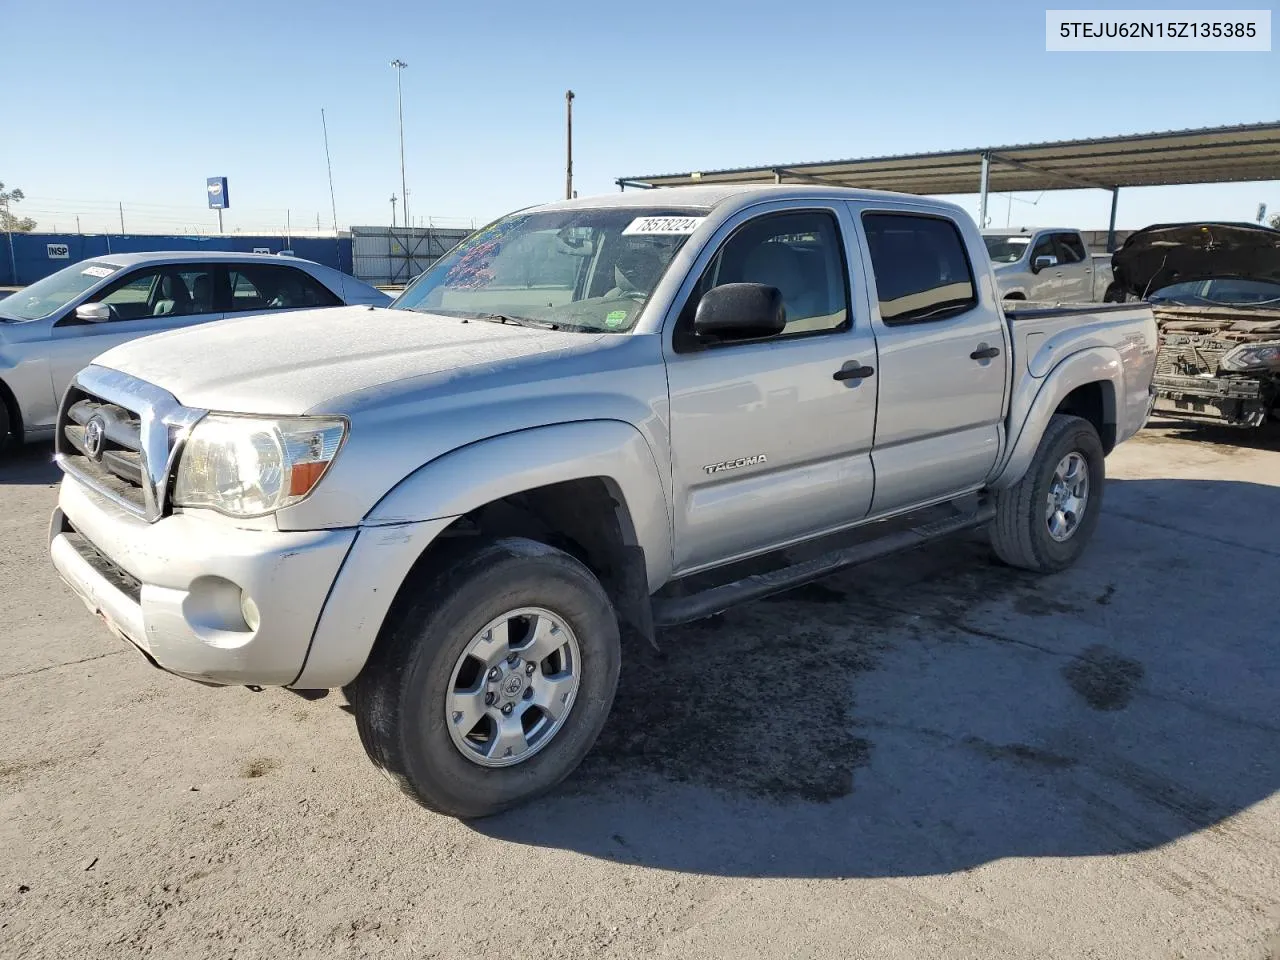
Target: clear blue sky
(141, 101)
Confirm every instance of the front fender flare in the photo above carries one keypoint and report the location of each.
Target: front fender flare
(1028, 419)
(497, 467)
(418, 509)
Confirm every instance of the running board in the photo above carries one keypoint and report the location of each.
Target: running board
(671, 611)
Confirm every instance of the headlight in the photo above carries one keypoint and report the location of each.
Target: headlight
(1252, 357)
(250, 466)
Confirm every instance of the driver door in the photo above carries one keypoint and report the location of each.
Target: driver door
(147, 300)
(770, 439)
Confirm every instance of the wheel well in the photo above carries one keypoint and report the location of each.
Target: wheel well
(1095, 402)
(15, 414)
(1015, 296)
(586, 518)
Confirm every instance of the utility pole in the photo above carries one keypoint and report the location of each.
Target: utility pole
(122, 216)
(77, 223)
(393, 211)
(399, 66)
(568, 144)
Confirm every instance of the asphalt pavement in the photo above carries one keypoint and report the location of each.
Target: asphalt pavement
(931, 756)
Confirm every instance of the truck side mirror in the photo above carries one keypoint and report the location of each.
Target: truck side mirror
(740, 311)
(1043, 261)
(93, 312)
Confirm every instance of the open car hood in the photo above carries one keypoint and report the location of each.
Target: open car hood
(1169, 253)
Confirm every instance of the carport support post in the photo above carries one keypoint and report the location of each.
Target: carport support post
(1111, 227)
(982, 191)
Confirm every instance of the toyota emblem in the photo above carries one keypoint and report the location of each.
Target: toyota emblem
(95, 432)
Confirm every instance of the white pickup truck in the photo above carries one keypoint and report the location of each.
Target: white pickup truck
(1049, 265)
(572, 429)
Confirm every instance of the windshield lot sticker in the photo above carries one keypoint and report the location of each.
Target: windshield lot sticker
(679, 226)
(615, 318)
(97, 272)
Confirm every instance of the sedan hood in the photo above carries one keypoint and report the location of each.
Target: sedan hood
(1170, 253)
(308, 360)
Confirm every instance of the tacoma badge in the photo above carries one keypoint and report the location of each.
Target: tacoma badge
(735, 464)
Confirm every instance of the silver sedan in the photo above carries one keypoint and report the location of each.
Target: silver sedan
(52, 329)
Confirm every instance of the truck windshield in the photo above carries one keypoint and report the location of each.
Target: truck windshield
(48, 296)
(1006, 249)
(576, 269)
(1222, 292)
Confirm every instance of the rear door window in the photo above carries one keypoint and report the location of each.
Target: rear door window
(269, 287)
(922, 271)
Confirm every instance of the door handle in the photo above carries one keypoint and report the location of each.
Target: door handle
(853, 371)
(985, 353)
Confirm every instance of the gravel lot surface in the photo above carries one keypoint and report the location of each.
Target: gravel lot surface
(932, 756)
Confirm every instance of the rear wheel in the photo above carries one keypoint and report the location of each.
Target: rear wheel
(491, 685)
(1045, 520)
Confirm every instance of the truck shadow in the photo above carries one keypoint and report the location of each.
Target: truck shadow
(28, 464)
(935, 712)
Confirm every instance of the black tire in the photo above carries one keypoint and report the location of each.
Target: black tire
(1019, 533)
(399, 697)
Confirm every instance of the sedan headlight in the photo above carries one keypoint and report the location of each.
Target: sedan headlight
(1254, 356)
(251, 466)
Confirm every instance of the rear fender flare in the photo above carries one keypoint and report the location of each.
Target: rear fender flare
(1091, 365)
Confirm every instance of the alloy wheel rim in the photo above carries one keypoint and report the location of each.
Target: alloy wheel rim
(1068, 497)
(512, 687)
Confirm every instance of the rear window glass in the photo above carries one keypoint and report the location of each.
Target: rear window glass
(922, 272)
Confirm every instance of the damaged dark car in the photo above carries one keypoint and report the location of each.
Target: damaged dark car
(1215, 290)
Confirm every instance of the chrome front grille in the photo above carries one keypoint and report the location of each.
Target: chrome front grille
(121, 437)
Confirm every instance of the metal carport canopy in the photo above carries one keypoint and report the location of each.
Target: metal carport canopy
(1176, 157)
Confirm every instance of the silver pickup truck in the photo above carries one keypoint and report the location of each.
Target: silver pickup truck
(1050, 265)
(589, 420)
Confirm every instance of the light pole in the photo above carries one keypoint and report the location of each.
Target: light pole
(568, 144)
(393, 211)
(399, 66)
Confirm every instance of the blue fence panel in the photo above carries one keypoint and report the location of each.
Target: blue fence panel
(27, 257)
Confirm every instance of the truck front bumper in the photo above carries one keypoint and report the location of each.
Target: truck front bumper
(1236, 401)
(201, 598)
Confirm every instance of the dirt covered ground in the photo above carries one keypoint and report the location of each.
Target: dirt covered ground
(930, 756)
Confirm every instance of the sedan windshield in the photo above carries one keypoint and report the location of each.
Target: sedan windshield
(1003, 249)
(576, 269)
(48, 296)
(1222, 292)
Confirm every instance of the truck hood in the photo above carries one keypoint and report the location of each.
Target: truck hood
(1169, 253)
(306, 360)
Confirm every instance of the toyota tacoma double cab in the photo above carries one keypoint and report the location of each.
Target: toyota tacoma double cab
(590, 420)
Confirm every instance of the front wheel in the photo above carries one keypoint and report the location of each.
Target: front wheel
(1045, 520)
(490, 685)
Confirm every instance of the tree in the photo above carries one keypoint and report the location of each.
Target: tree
(9, 222)
(1275, 221)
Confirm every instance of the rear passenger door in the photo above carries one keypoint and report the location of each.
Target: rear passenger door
(1076, 267)
(943, 358)
(767, 446)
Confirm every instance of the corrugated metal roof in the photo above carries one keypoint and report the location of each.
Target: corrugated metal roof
(1208, 155)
